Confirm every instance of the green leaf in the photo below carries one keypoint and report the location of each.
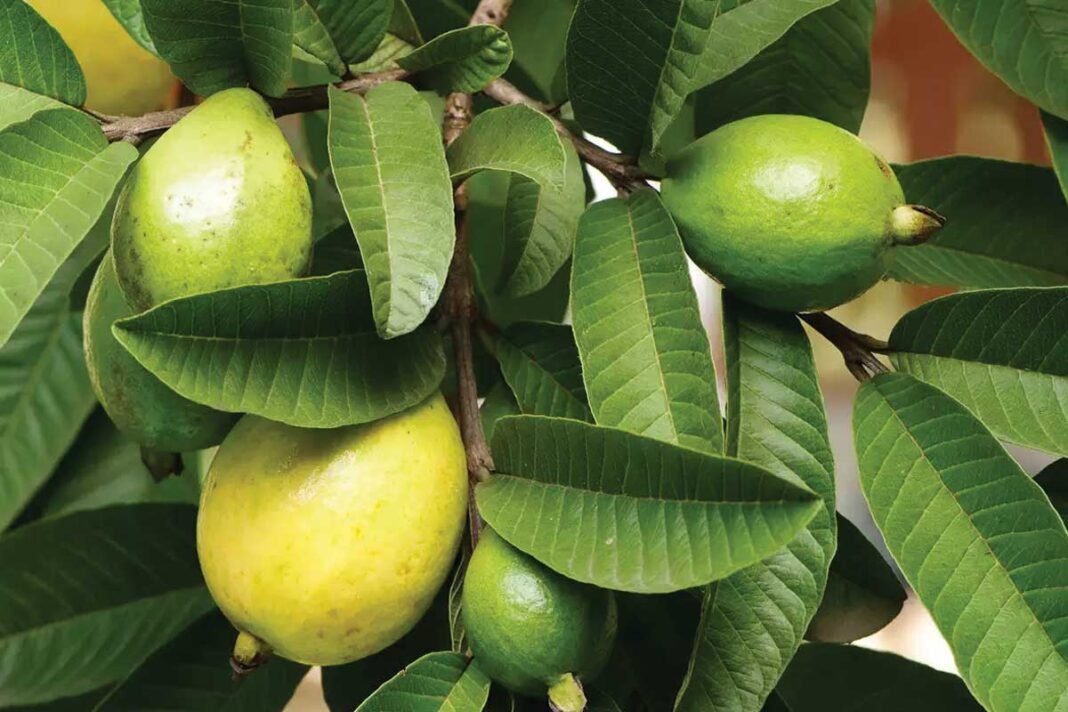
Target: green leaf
(630, 513)
(1001, 352)
(18, 104)
(754, 621)
(845, 677)
(98, 590)
(463, 60)
(1057, 138)
(216, 45)
(1022, 41)
(538, 32)
(385, 56)
(863, 595)
(190, 675)
(129, 15)
(302, 352)
(821, 67)
(33, 56)
(1005, 224)
(540, 364)
(311, 35)
(540, 226)
(498, 403)
(356, 26)
(975, 537)
(513, 138)
(57, 174)
(1054, 482)
(402, 24)
(645, 354)
(437, 682)
(390, 167)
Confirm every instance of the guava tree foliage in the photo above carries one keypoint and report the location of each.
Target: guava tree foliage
(445, 148)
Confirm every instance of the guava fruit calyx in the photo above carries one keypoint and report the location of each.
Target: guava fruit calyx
(914, 224)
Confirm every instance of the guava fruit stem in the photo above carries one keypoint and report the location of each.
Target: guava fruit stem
(566, 695)
(914, 224)
(161, 464)
(249, 653)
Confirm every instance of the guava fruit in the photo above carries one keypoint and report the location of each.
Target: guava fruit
(790, 212)
(139, 404)
(217, 202)
(326, 546)
(531, 629)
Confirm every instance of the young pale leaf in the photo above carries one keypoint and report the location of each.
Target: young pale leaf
(1021, 41)
(98, 590)
(976, 538)
(214, 45)
(1057, 138)
(863, 595)
(302, 352)
(57, 174)
(1001, 352)
(190, 674)
(18, 104)
(541, 365)
(437, 682)
(753, 621)
(390, 168)
(630, 513)
(539, 227)
(513, 138)
(821, 67)
(129, 15)
(356, 26)
(463, 60)
(1054, 482)
(311, 35)
(645, 354)
(33, 56)
(1005, 224)
(845, 677)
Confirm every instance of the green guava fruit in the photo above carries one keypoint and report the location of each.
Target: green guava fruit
(217, 202)
(790, 212)
(531, 629)
(326, 546)
(139, 404)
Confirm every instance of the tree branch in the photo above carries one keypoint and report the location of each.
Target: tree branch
(858, 350)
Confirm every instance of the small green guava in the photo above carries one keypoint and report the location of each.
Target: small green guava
(790, 212)
(531, 629)
(217, 202)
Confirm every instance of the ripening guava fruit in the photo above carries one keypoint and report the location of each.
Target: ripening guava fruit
(140, 405)
(790, 212)
(217, 202)
(326, 546)
(531, 629)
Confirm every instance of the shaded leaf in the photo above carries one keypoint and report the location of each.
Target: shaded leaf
(975, 537)
(98, 590)
(1001, 352)
(1005, 224)
(402, 23)
(512, 138)
(33, 56)
(541, 365)
(645, 354)
(462, 60)
(1054, 482)
(129, 15)
(385, 56)
(625, 512)
(1057, 138)
(498, 403)
(538, 32)
(390, 168)
(311, 35)
(356, 26)
(214, 45)
(433, 683)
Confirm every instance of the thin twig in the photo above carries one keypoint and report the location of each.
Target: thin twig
(858, 350)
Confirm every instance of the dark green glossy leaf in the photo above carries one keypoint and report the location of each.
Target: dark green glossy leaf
(1057, 138)
(463, 60)
(356, 26)
(129, 15)
(437, 682)
(541, 365)
(539, 39)
(33, 55)
(312, 36)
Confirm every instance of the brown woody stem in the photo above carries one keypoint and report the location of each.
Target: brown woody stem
(858, 350)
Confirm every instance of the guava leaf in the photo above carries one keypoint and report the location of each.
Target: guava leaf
(538, 32)
(976, 538)
(356, 26)
(1057, 138)
(129, 15)
(1005, 224)
(58, 174)
(385, 56)
(1054, 482)
(540, 364)
(33, 55)
(311, 35)
(860, 679)
(18, 104)
(302, 352)
(821, 68)
(216, 45)
(645, 355)
(1022, 41)
(513, 138)
(402, 24)
(863, 595)
(626, 512)
(390, 168)
(498, 403)
(99, 590)
(436, 682)
(191, 675)
(463, 60)
(1001, 352)
(753, 621)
